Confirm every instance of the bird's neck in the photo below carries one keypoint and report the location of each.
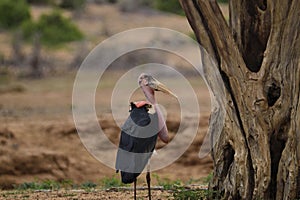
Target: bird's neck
(149, 94)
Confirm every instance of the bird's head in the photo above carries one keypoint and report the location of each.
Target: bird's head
(147, 82)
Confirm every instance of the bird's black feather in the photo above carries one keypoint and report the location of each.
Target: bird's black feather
(137, 143)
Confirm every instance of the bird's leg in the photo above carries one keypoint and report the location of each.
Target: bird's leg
(148, 178)
(134, 189)
(148, 183)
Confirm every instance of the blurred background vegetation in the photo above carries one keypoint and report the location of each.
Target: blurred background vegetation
(33, 37)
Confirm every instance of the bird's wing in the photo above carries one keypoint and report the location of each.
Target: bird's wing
(135, 148)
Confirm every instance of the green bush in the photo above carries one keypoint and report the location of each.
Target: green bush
(40, 185)
(172, 6)
(13, 13)
(107, 182)
(28, 28)
(88, 185)
(167, 183)
(53, 28)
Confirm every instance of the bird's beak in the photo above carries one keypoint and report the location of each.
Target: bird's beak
(158, 86)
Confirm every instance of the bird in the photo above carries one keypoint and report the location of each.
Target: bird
(140, 131)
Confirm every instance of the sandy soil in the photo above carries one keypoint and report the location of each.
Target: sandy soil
(39, 140)
(84, 195)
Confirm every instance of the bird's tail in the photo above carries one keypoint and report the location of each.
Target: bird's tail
(129, 177)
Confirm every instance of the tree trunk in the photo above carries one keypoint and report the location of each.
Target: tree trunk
(257, 55)
(36, 71)
(18, 56)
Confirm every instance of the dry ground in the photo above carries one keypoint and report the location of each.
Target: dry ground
(39, 141)
(83, 195)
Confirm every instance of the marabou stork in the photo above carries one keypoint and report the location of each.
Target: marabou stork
(139, 133)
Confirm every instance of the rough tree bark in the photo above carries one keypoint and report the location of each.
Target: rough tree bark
(257, 54)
